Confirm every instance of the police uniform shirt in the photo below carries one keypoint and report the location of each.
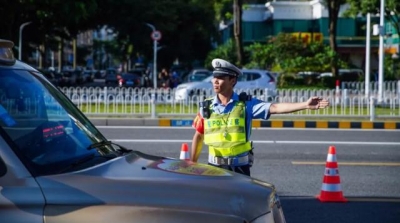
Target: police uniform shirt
(255, 109)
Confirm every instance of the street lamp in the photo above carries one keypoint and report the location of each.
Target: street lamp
(20, 39)
(155, 41)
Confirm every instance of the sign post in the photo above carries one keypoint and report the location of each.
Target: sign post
(155, 36)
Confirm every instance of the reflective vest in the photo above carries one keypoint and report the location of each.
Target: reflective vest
(225, 134)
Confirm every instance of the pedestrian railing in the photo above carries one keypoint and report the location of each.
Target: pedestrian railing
(146, 102)
(393, 86)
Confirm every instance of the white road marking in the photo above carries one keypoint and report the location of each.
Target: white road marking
(262, 129)
(266, 142)
(347, 163)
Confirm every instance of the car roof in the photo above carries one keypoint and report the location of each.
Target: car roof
(18, 65)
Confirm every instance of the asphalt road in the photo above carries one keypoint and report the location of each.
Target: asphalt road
(294, 161)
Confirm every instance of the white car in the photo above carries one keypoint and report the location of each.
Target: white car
(251, 80)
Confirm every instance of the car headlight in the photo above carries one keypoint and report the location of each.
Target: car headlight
(266, 218)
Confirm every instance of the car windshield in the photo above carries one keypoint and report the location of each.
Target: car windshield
(208, 79)
(199, 76)
(42, 125)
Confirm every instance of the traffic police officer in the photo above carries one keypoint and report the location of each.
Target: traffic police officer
(224, 121)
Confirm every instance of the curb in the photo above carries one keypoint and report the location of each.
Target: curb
(256, 123)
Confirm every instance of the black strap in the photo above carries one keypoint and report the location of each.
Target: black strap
(245, 97)
(205, 105)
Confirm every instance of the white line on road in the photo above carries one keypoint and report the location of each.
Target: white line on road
(262, 129)
(264, 142)
(258, 129)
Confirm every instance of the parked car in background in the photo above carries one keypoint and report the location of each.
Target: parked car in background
(72, 77)
(53, 76)
(112, 79)
(346, 74)
(56, 166)
(197, 75)
(145, 80)
(88, 75)
(251, 79)
(100, 74)
(129, 80)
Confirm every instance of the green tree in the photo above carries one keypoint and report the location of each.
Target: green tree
(232, 10)
(333, 7)
(392, 10)
(291, 55)
(237, 29)
(50, 19)
(261, 56)
(187, 27)
(225, 51)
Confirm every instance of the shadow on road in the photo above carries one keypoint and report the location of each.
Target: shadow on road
(366, 210)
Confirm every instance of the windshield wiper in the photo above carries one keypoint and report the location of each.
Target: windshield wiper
(96, 145)
(99, 144)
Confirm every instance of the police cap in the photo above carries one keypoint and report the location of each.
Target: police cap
(224, 68)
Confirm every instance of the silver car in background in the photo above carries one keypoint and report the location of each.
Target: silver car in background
(56, 166)
(252, 80)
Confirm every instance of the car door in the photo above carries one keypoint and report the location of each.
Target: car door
(21, 199)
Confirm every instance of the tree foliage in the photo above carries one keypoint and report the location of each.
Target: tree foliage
(333, 7)
(291, 55)
(187, 26)
(225, 51)
(392, 10)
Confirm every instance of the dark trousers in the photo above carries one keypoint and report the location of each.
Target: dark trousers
(238, 169)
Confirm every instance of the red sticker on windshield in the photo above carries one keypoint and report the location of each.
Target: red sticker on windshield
(52, 132)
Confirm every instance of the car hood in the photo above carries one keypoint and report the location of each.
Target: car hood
(139, 179)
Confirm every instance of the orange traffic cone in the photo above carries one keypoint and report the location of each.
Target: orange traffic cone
(184, 152)
(331, 190)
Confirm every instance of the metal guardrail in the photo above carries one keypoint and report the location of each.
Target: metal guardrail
(142, 102)
(392, 86)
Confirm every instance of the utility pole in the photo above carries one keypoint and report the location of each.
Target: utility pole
(74, 53)
(368, 55)
(381, 51)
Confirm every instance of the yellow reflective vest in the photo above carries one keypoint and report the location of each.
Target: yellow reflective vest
(225, 134)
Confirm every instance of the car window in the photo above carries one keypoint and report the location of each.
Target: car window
(129, 76)
(270, 76)
(111, 71)
(137, 72)
(110, 76)
(43, 127)
(243, 77)
(252, 76)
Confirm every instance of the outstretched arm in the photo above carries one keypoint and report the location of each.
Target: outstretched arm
(197, 145)
(313, 103)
